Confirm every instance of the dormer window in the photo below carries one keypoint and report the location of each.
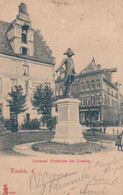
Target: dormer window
(24, 50)
(24, 34)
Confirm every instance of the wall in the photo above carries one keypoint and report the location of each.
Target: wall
(11, 71)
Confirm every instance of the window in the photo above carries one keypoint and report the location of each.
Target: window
(13, 82)
(57, 93)
(92, 84)
(82, 85)
(0, 85)
(97, 99)
(26, 87)
(83, 101)
(73, 88)
(116, 95)
(47, 84)
(108, 101)
(105, 99)
(112, 103)
(60, 92)
(88, 100)
(27, 117)
(77, 88)
(25, 70)
(24, 38)
(98, 83)
(93, 100)
(87, 85)
(0, 109)
(24, 50)
(108, 90)
(24, 35)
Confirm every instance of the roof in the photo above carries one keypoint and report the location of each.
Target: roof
(111, 84)
(93, 68)
(5, 46)
(90, 68)
(41, 50)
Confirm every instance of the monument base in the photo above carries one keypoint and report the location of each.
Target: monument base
(68, 129)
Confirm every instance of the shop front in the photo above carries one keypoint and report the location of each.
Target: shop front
(89, 116)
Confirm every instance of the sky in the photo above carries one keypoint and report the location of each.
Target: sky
(91, 28)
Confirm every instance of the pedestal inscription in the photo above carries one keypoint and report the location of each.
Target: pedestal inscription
(68, 129)
(63, 116)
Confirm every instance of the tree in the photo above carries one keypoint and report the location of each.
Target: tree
(17, 105)
(42, 101)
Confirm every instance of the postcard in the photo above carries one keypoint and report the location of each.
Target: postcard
(61, 97)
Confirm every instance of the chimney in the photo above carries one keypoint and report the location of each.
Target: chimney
(99, 66)
(23, 15)
(116, 83)
(23, 8)
(93, 60)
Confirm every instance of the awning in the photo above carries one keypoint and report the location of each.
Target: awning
(86, 110)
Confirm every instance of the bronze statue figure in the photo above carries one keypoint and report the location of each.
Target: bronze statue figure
(69, 72)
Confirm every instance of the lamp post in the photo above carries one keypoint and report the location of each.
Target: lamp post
(100, 103)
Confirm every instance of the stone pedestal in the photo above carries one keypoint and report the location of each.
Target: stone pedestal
(68, 129)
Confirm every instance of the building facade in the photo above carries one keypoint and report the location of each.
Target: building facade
(121, 109)
(25, 59)
(99, 97)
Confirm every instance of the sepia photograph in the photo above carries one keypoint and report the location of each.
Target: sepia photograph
(61, 97)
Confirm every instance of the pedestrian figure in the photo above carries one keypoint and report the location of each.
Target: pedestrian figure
(113, 131)
(117, 132)
(119, 141)
(104, 129)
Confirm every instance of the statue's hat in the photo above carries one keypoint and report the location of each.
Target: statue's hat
(69, 51)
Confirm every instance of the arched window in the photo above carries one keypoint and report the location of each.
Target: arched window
(77, 88)
(87, 85)
(88, 100)
(57, 92)
(108, 101)
(82, 85)
(73, 88)
(98, 83)
(92, 100)
(92, 84)
(60, 91)
(83, 101)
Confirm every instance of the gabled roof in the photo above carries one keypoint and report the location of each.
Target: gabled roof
(90, 68)
(5, 45)
(41, 50)
(93, 68)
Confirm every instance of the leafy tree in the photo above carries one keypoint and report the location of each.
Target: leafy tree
(42, 101)
(17, 105)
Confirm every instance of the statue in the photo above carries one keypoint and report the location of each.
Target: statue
(69, 72)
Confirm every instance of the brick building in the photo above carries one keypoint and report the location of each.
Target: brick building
(99, 97)
(25, 59)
